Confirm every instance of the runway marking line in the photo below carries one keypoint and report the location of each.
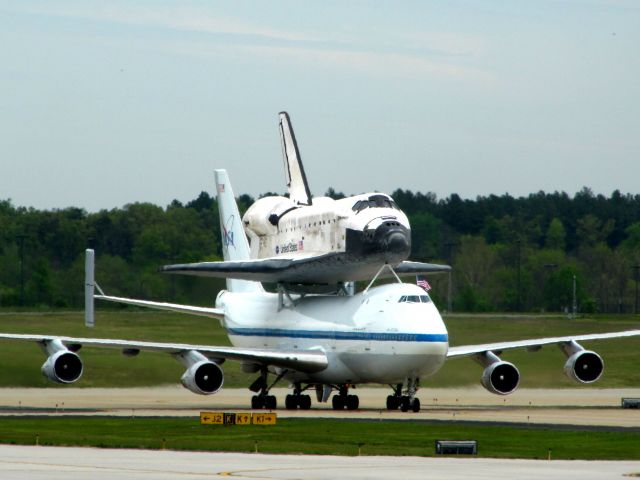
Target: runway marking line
(252, 473)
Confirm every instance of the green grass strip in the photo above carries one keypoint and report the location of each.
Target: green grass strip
(324, 437)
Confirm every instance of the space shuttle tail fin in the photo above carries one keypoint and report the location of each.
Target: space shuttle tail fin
(293, 170)
(235, 246)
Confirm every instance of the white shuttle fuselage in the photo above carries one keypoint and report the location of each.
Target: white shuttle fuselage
(363, 227)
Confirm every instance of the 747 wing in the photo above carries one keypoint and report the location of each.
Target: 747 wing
(533, 344)
(203, 375)
(501, 377)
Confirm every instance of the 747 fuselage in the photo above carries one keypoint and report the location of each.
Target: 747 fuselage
(381, 335)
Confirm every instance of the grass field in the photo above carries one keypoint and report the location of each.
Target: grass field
(321, 436)
(108, 368)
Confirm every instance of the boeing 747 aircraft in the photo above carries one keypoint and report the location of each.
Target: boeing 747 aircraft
(390, 334)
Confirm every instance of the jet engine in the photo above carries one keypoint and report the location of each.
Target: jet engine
(501, 378)
(203, 378)
(584, 366)
(63, 366)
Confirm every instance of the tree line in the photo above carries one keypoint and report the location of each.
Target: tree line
(507, 253)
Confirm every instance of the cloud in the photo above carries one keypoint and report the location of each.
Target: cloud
(176, 18)
(397, 54)
(387, 64)
(445, 43)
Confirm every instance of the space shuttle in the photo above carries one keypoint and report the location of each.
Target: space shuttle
(300, 241)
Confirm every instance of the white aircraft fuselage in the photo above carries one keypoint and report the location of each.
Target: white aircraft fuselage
(384, 335)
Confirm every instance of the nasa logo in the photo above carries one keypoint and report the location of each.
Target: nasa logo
(227, 234)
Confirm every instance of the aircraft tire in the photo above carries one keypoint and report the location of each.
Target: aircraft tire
(257, 402)
(337, 402)
(353, 402)
(393, 402)
(304, 402)
(415, 405)
(290, 402)
(270, 402)
(405, 403)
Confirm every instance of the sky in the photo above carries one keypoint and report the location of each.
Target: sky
(108, 103)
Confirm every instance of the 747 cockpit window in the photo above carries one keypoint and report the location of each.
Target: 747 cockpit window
(415, 299)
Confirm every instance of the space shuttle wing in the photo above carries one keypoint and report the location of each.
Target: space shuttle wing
(417, 268)
(262, 270)
(329, 268)
(312, 269)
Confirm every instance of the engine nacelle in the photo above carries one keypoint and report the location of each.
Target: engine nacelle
(203, 378)
(584, 366)
(63, 366)
(501, 378)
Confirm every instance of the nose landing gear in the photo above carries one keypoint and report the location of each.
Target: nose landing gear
(409, 403)
(406, 400)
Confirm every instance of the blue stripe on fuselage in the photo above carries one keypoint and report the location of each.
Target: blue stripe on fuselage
(336, 335)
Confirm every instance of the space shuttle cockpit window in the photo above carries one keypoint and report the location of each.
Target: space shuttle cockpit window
(359, 206)
(380, 201)
(375, 201)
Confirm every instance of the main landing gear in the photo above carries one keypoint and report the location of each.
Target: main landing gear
(405, 402)
(261, 387)
(343, 400)
(268, 402)
(297, 399)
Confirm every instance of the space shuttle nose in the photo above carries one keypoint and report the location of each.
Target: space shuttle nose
(389, 241)
(393, 239)
(396, 242)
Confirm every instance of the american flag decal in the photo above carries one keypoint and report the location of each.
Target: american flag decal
(221, 188)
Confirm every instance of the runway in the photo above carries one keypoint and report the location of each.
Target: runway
(553, 406)
(52, 463)
(577, 406)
